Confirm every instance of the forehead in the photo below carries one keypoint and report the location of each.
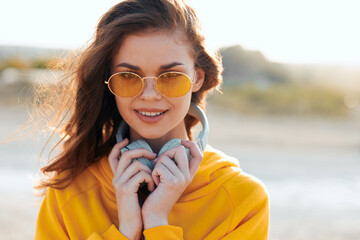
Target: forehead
(154, 48)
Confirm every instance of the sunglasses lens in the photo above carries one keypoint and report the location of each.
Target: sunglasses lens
(125, 84)
(173, 84)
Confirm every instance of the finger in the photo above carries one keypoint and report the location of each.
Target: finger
(150, 183)
(161, 174)
(127, 156)
(113, 157)
(135, 182)
(180, 157)
(196, 156)
(170, 165)
(132, 170)
(155, 176)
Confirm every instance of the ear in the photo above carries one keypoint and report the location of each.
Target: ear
(198, 80)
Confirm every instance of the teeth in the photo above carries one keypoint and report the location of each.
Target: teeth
(150, 114)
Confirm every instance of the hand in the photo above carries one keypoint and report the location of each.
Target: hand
(171, 180)
(127, 179)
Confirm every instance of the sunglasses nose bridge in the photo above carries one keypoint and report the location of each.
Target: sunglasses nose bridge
(145, 82)
(149, 88)
(149, 78)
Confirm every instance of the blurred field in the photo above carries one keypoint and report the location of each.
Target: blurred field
(284, 99)
(309, 165)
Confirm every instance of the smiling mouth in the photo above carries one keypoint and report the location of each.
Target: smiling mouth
(151, 114)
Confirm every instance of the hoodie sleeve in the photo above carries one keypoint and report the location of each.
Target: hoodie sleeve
(164, 232)
(111, 233)
(51, 223)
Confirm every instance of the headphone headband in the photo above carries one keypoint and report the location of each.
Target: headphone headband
(202, 139)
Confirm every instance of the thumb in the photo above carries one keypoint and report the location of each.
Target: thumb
(113, 157)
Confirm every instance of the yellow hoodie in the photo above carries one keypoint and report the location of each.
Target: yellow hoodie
(221, 202)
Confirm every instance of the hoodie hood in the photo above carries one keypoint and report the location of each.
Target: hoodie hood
(215, 169)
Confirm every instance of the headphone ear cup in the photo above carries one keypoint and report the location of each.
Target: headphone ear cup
(174, 143)
(140, 144)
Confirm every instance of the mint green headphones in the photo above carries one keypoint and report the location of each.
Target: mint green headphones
(201, 139)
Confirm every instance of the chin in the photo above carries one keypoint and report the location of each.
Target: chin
(151, 135)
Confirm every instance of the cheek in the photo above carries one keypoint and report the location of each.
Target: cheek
(121, 105)
(183, 104)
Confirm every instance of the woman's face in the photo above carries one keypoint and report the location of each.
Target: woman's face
(149, 54)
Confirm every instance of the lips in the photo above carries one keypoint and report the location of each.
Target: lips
(150, 115)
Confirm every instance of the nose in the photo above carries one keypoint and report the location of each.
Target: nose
(150, 92)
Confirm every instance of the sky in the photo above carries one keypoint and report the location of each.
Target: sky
(295, 31)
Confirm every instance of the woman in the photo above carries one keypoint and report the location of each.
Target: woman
(146, 66)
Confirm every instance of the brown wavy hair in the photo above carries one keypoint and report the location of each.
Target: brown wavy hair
(87, 115)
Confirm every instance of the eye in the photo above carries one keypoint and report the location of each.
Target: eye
(128, 75)
(170, 75)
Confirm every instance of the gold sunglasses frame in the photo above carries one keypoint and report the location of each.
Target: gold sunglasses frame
(154, 84)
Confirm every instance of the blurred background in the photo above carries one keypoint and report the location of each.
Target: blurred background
(290, 108)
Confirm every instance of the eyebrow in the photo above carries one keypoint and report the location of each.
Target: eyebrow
(166, 66)
(127, 65)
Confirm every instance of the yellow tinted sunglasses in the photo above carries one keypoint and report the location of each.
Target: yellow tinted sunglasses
(169, 84)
